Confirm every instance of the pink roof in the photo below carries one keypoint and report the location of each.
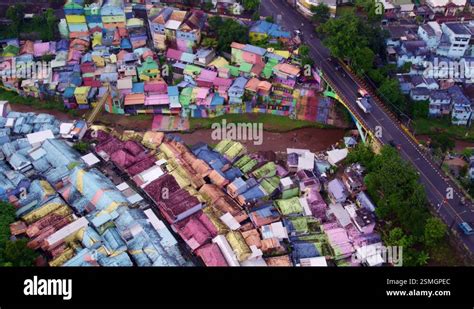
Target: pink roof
(211, 255)
(339, 240)
(133, 147)
(41, 49)
(157, 99)
(123, 158)
(207, 75)
(173, 54)
(156, 86)
(202, 93)
(222, 82)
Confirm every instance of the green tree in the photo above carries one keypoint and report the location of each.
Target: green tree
(215, 22)
(208, 6)
(229, 31)
(320, 13)
(442, 142)
(7, 216)
(303, 50)
(209, 43)
(394, 186)
(420, 109)
(371, 8)
(81, 147)
(391, 93)
(362, 60)
(251, 5)
(342, 36)
(51, 23)
(17, 254)
(361, 153)
(467, 152)
(268, 19)
(376, 76)
(256, 16)
(16, 14)
(422, 258)
(405, 68)
(435, 231)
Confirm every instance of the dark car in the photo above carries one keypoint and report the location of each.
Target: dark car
(394, 145)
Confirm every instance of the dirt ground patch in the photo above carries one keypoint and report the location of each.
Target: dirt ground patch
(314, 139)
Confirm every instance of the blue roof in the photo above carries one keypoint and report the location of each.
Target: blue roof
(217, 100)
(138, 87)
(254, 193)
(255, 49)
(239, 83)
(303, 250)
(125, 44)
(173, 91)
(271, 29)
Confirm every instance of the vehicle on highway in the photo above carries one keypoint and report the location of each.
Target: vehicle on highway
(394, 145)
(363, 93)
(298, 32)
(364, 104)
(467, 228)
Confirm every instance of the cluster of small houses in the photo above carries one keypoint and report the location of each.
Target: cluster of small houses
(155, 65)
(440, 52)
(218, 206)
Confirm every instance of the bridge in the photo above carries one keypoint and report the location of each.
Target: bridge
(366, 134)
(343, 86)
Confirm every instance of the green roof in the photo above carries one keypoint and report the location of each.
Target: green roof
(242, 161)
(245, 67)
(290, 192)
(266, 170)
(270, 184)
(249, 166)
(233, 70)
(268, 70)
(192, 69)
(11, 50)
(289, 206)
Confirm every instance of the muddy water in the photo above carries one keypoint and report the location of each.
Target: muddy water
(314, 139)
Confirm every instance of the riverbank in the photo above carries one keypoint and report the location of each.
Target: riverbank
(279, 132)
(314, 139)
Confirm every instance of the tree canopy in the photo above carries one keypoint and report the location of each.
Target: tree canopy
(12, 253)
(401, 203)
(320, 13)
(227, 31)
(251, 5)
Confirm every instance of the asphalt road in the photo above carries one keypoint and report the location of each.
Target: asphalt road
(436, 185)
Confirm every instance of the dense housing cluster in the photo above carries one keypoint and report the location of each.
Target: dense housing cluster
(148, 199)
(156, 64)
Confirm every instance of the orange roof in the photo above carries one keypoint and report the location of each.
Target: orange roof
(78, 34)
(287, 68)
(178, 15)
(237, 45)
(264, 85)
(218, 179)
(252, 84)
(134, 98)
(252, 237)
(282, 260)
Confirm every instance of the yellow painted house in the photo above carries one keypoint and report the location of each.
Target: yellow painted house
(81, 94)
(75, 19)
